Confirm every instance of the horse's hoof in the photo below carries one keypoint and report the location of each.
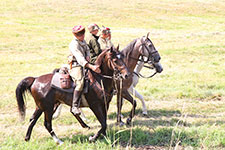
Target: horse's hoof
(91, 139)
(145, 113)
(87, 127)
(128, 121)
(121, 115)
(121, 123)
(59, 142)
(27, 139)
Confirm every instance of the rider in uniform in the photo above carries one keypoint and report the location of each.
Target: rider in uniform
(92, 42)
(79, 60)
(105, 38)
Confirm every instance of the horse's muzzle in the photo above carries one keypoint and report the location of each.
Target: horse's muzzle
(158, 67)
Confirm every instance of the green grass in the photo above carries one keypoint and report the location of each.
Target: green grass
(185, 102)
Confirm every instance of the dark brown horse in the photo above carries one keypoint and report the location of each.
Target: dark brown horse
(141, 49)
(47, 98)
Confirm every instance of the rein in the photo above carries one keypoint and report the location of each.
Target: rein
(147, 76)
(140, 75)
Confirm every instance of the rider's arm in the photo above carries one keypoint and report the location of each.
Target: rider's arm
(95, 68)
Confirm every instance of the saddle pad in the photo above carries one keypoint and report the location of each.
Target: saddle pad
(55, 83)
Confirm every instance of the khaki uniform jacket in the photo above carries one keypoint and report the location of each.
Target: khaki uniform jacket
(105, 43)
(79, 51)
(94, 47)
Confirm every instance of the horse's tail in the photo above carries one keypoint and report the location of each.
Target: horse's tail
(23, 87)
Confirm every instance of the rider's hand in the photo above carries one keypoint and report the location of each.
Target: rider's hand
(96, 69)
(88, 58)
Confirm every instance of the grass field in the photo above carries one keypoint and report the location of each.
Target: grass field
(186, 102)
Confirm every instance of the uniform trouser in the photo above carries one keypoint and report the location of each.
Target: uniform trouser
(77, 74)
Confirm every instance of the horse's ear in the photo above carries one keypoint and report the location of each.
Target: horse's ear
(111, 49)
(148, 35)
(117, 48)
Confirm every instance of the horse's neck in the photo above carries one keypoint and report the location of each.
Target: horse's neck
(139, 66)
(132, 55)
(97, 79)
(107, 72)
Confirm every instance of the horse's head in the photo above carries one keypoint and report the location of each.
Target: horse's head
(148, 50)
(114, 61)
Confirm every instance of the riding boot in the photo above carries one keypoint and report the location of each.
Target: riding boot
(76, 102)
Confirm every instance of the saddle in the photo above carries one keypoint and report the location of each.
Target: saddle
(89, 83)
(63, 81)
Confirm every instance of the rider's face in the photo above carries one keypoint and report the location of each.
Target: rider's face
(95, 32)
(81, 37)
(104, 36)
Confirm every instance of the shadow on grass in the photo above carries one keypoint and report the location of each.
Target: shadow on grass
(140, 137)
(167, 135)
(158, 122)
(151, 113)
(211, 123)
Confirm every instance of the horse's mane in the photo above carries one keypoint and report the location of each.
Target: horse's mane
(100, 57)
(93, 75)
(128, 49)
(95, 78)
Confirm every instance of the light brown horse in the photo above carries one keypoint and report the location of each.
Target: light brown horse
(141, 49)
(48, 98)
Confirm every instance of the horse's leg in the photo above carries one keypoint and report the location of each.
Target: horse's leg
(37, 113)
(144, 108)
(135, 93)
(57, 110)
(82, 123)
(119, 108)
(83, 116)
(127, 96)
(101, 115)
(48, 125)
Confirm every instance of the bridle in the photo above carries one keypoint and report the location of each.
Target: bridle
(143, 45)
(116, 71)
(149, 59)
